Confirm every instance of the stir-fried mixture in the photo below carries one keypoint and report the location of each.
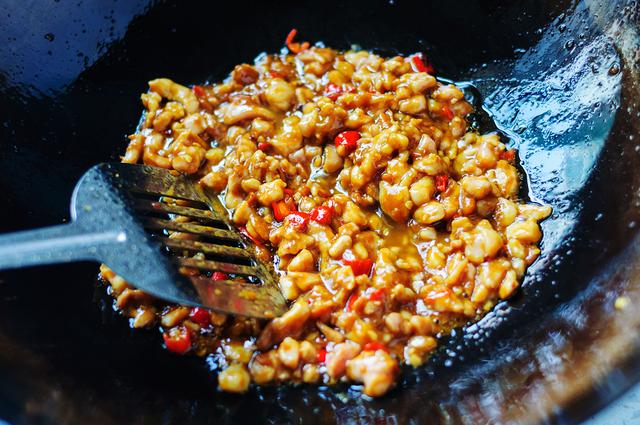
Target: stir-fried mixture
(387, 219)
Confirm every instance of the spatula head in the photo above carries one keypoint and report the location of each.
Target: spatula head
(173, 236)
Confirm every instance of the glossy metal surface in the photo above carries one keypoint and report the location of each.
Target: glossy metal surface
(559, 78)
(117, 220)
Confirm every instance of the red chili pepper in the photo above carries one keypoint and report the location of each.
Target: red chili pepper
(347, 139)
(442, 181)
(322, 214)
(374, 346)
(177, 340)
(333, 91)
(321, 357)
(245, 232)
(360, 266)
(263, 146)
(420, 65)
(289, 40)
(219, 276)
(377, 294)
(200, 316)
(447, 113)
(299, 220)
(275, 74)
(509, 155)
(280, 210)
(295, 47)
(199, 91)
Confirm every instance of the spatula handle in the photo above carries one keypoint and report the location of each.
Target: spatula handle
(57, 244)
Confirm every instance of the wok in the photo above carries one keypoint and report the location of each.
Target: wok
(559, 79)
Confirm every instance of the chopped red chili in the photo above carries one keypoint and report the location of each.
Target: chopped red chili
(509, 155)
(200, 316)
(292, 34)
(295, 47)
(377, 295)
(280, 210)
(447, 113)
(442, 181)
(253, 239)
(360, 266)
(374, 346)
(322, 214)
(177, 340)
(299, 220)
(348, 140)
(321, 357)
(219, 276)
(275, 74)
(263, 146)
(420, 65)
(199, 91)
(333, 91)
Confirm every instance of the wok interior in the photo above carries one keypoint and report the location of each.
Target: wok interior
(553, 349)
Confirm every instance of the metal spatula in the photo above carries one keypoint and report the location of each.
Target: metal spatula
(122, 215)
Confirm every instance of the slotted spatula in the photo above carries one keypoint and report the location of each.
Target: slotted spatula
(122, 215)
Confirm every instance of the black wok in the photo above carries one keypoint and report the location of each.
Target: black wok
(559, 79)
